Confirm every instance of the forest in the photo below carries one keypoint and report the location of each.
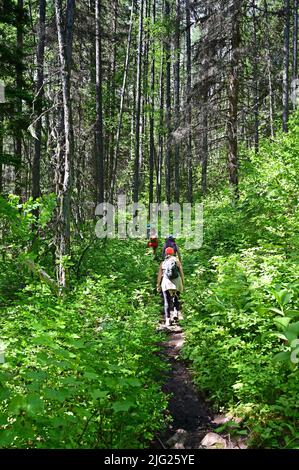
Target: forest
(172, 103)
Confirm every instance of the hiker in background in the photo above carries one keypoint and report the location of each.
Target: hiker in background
(171, 282)
(170, 242)
(153, 240)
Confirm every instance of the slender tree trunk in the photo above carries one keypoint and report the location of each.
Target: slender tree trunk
(99, 143)
(19, 86)
(233, 96)
(189, 109)
(295, 42)
(286, 54)
(121, 107)
(144, 94)
(39, 100)
(168, 105)
(110, 147)
(177, 101)
(152, 113)
(70, 11)
(63, 248)
(269, 69)
(138, 107)
(1, 152)
(160, 137)
(204, 165)
(255, 81)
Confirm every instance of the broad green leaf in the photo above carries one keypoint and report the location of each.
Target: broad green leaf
(122, 406)
(282, 356)
(282, 322)
(99, 394)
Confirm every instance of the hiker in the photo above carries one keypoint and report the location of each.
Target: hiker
(171, 282)
(153, 241)
(170, 242)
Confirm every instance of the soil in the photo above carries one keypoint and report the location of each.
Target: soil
(192, 418)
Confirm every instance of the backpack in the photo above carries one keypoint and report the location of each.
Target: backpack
(169, 243)
(171, 269)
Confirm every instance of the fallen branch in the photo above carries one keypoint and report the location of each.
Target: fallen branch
(43, 276)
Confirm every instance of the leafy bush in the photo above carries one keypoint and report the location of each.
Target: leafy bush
(83, 371)
(242, 298)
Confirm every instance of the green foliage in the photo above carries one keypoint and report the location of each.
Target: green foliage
(242, 298)
(24, 231)
(83, 371)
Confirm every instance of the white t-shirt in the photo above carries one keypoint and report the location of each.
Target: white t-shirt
(173, 284)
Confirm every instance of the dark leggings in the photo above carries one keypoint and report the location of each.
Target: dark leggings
(167, 302)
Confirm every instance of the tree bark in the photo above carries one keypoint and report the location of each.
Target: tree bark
(138, 107)
(255, 80)
(64, 199)
(204, 164)
(99, 142)
(19, 86)
(160, 137)
(1, 152)
(110, 136)
(152, 113)
(168, 105)
(189, 108)
(233, 96)
(177, 101)
(269, 70)
(295, 42)
(286, 59)
(39, 100)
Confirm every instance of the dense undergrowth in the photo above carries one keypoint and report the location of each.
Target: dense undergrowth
(242, 298)
(83, 371)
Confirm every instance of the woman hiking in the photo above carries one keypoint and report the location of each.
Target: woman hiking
(170, 242)
(171, 282)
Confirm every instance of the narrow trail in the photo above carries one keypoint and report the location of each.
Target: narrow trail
(192, 419)
(193, 423)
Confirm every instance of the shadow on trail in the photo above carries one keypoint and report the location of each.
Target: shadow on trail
(191, 416)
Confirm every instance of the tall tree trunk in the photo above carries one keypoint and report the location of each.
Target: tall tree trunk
(39, 100)
(286, 58)
(177, 100)
(110, 138)
(168, 104)
(63, 248)
(138, 107)
(160, 137)
(144, 93)
(152, 113)
(295, 42)
(189, 109)
(121, 107)
(1, 152)
(233, 96)
(19, 86)
(69, 21)
(255, 81)
(204, 164)
(99, 143)
(269, 69)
